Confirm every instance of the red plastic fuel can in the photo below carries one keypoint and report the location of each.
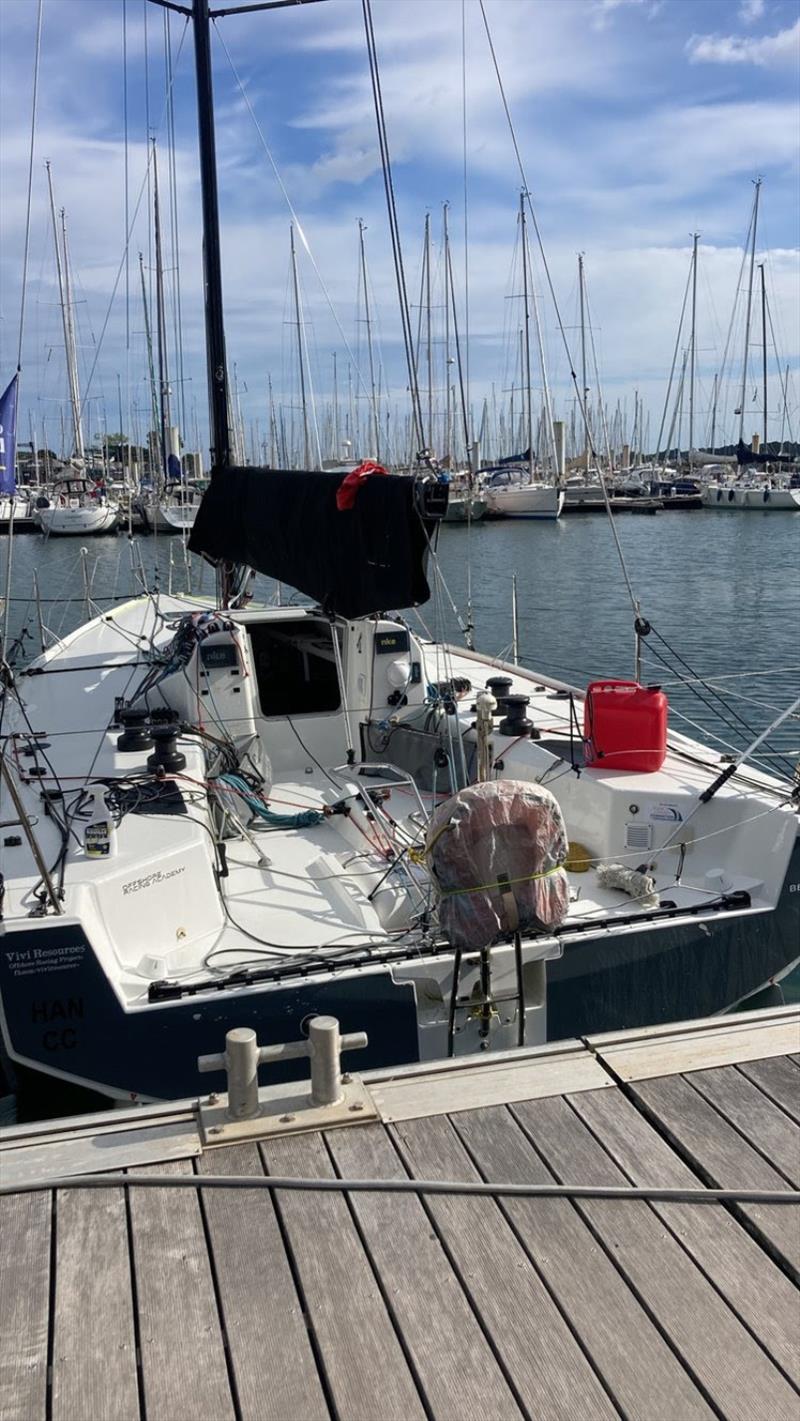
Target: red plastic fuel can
(625, 726)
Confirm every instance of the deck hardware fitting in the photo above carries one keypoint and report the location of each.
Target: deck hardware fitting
(246, 1113)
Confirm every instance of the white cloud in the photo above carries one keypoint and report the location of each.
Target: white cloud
(751, 10)
(768, 51)
(604, 9)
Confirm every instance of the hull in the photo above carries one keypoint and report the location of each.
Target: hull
(76, 522)
(464, 510)
(168, 518)
(767, 500)
(60, 1016)
(119, 995)
(526, 501)
(644, 979)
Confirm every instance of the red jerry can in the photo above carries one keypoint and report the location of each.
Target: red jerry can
(625, 726)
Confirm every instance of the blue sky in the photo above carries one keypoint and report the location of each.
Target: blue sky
(639, 121)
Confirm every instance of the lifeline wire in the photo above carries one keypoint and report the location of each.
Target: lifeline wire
(479, 1188)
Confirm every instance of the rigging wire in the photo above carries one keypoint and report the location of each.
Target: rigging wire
(26, 250)
(579, 396)
(601, 404)
(172, 186)
(672, 368)
(34, 101)
(292, 211)
(145, 185)
(465, 381)
(394, 229)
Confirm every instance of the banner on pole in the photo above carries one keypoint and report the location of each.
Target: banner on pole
(8, 438)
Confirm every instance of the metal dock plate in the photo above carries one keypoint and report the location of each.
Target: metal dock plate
(289, 1114)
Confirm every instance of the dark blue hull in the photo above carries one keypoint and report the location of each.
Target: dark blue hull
(64, 1018)
(690, 970)
(60, 1015)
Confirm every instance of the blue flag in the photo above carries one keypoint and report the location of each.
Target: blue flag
(8, 438)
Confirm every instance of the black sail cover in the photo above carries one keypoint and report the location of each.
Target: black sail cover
(285, 523)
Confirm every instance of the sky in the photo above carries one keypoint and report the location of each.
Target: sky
(638, 122)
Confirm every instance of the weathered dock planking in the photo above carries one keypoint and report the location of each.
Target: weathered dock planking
(132, 1303)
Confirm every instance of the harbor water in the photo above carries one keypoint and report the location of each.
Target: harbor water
(721, 589)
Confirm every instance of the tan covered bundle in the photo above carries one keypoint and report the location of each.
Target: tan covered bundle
(496, 852)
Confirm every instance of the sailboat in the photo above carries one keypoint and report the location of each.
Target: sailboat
(514, 491)
(77, 506)
(274, 812)
(753, 488)
(173, 503)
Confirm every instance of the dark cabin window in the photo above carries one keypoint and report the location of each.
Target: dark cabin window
(295, 667)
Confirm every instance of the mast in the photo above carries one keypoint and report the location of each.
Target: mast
(764, 349)
(72, 352)
(335, 410)
(584, 390)
(66, 319)
(149, 344)
(296, 288)
(273, 426)
(784, 408)
(547, 401)
(161, 330)
(215, 328)
(376, 428)
(693, 344)
(714, 412)
(119, 414)
(448, 404)
(754, 226)
(526, 348)
(428, 340)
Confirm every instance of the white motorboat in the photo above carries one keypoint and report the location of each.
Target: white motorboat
(509, 494)
(75, 508)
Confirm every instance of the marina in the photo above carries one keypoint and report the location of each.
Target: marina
(554, 1202)
(399, 837)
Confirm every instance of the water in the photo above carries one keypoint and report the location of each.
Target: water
(723, 589)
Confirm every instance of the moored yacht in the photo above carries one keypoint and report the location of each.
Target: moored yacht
(511, 494)
(76, 507)
(173, 512)
(274, 812)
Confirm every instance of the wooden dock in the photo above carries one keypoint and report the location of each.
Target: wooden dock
(134, 1303)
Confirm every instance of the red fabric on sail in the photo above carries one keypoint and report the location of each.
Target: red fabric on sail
(351, 483)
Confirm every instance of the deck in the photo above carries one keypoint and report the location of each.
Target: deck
(182, 1303)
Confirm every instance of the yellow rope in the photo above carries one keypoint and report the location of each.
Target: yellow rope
(437, 836)
(507, 883)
